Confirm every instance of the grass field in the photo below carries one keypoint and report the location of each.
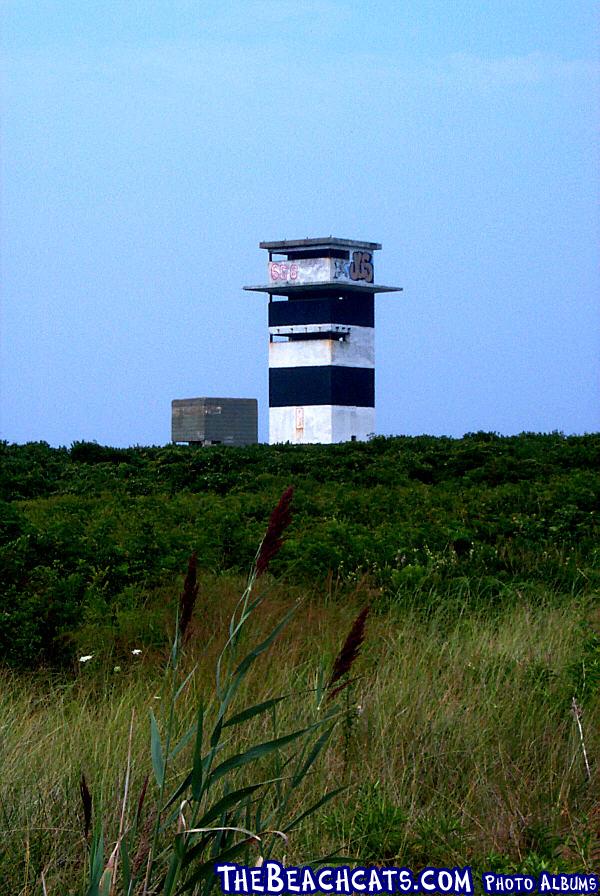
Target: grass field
(468, 732)
(459, 745)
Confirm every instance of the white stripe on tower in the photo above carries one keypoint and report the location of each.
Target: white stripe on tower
(320, 423)
(354, 348)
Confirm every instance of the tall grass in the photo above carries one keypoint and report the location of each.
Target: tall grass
(228, 780)
(464, 748)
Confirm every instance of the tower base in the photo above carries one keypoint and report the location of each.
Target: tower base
(322, 424)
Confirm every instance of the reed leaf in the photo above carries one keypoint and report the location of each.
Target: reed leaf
(258, 751)
(320, 744)
(96, 862)
(315, 806)
(230, 800)
(158, 762)
(183, 742)
(126, 869)
(197, 775)
(249, 659)
(253, 711)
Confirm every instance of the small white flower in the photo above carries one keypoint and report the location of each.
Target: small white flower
(86, 658)
(136, 651)
(117, 669)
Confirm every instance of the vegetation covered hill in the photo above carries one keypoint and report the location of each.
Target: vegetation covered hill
(90, 534)
(469, 735)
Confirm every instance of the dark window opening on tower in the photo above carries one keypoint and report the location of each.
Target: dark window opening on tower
(307, 337)
(306, 332)
(317, 253)
(304, 337)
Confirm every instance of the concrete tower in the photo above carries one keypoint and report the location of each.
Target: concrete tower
(322, 339)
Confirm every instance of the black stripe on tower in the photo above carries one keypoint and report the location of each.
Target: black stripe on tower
(357, 310)
(297, 386)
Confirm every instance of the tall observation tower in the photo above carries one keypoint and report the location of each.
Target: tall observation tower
(322, 339)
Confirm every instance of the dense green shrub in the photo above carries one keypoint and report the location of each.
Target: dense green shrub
(482, 519)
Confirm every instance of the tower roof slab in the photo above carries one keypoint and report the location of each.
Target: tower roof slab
(324, 242)
(286, 289)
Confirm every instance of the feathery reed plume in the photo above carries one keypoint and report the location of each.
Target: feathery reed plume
(86, 800)
(348, 654)
(278, 523)
(143, 851)
(188, 596)
(142, 797)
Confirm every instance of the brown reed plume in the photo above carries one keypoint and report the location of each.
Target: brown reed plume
(278, 523)
(142, 797)
(348, 654)
(86, 800)
(145, 841)
(188, 596)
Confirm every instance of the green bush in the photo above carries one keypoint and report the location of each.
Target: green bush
(483, 519)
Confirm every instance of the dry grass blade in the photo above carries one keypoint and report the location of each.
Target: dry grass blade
(278, 523)
(86, 800)
(348, 654)
(577, 713)
(188, 597)
(115, 856)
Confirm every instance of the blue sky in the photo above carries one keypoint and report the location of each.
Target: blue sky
(149, 146)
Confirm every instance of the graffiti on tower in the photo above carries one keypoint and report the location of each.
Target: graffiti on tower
(357, 269)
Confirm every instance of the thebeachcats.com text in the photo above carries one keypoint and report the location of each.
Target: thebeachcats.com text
(273, 878)
(341, 880)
